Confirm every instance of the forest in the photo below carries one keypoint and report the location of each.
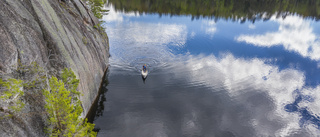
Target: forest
(243, 10)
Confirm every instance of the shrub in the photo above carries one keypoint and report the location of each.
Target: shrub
(64, 108)
(11, 95)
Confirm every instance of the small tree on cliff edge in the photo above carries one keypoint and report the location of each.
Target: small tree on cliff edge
(97, 7)
(64, 108)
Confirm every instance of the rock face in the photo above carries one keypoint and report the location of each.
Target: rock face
(55, 35)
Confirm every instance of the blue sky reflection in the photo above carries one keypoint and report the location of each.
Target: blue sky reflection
(275, 58)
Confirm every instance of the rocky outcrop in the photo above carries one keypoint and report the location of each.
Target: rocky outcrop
(55, 35)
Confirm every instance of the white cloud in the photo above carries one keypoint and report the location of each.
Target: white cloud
(260, 90)
(252, 26)
(294, 33)
(240, 77)
(237, 76)
(210, 27)
(149, 33)
(159, 34)
(193, 34)
(314, 103)
(116, 16)
(136, 43)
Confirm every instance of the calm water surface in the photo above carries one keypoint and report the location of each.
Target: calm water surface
(211, 77)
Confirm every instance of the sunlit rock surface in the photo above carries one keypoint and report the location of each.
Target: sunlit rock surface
(55, 35)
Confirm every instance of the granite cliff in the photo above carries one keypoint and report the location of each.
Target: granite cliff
(55, 34)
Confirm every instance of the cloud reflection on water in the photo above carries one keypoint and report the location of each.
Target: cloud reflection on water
(244, 80)
(294, 33)
(146, 42)
(209, 27)
(114, 16)
(257, 92)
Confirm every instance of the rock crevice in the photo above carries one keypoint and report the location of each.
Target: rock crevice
(55, 35)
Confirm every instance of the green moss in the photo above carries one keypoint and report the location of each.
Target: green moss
(101, 29)
(59, 34)
(84, 40)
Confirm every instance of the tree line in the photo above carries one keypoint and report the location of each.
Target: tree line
(244, 10)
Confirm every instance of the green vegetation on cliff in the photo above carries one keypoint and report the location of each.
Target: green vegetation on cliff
(64, 107)
(50, 33)
(11, 96)
(96, 7)
(24, 87)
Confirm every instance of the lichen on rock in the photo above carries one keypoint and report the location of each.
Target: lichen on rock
(51, 34)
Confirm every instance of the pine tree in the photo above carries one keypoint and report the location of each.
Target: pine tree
(12, 92)
(64, 108)
(96, 7)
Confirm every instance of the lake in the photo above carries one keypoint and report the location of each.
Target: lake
(216, 68)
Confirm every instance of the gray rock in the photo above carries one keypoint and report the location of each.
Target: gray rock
(51, 34)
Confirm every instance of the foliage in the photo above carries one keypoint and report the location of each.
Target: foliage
(226, 9)
(96, 7)
(70, 82)
(23, 88)
(62, 103)
(64, 109)
(35, 74)
(12, 95)
(101, 29)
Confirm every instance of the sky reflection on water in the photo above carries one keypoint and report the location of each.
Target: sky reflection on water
(212, 78)
(294, 34)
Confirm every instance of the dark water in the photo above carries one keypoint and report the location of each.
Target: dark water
(242, 69)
